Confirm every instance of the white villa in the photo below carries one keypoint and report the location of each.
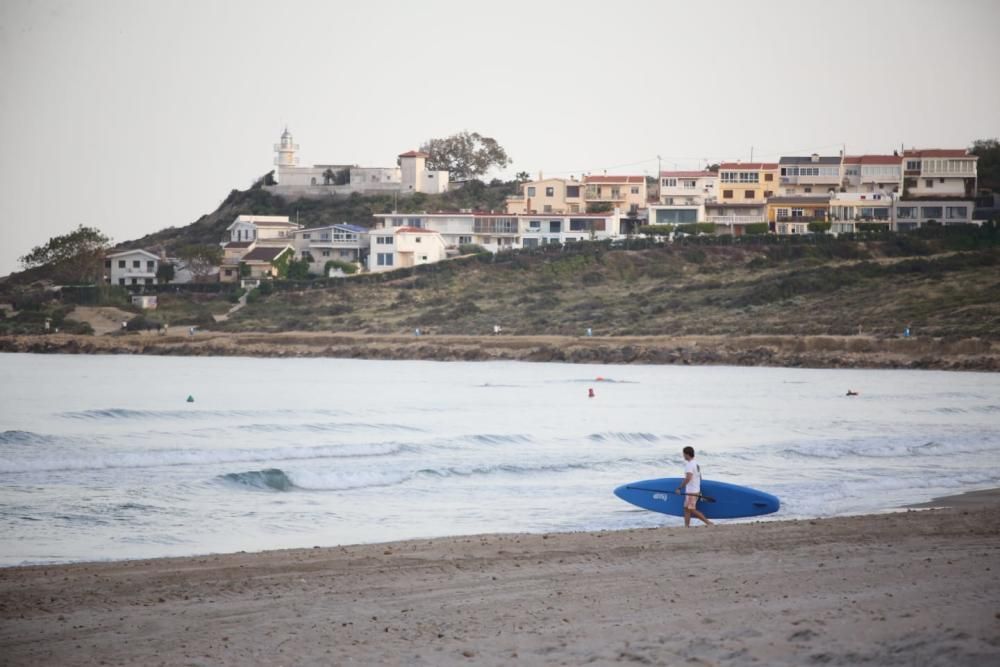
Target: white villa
(409, 176)
(131, 267)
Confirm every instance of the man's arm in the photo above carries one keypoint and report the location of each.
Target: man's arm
(687, 478)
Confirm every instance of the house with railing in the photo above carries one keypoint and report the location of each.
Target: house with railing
(131, 267)
(813, 175)
(402, 247)
(625, 193)
(746, 182)
(792, 215)
(548, 195)
(341, 242)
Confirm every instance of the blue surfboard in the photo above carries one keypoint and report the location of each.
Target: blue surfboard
(720, 501)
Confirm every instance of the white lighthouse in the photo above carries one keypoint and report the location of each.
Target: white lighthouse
(286, 157)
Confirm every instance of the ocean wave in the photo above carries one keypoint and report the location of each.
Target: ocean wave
(888, 448)
(194, 413)
(492, 439)
(275, 479)
(184, 457)
(25, 438)
(320, 427)
(634, 437)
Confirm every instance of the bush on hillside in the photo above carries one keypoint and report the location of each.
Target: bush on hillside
(347, 267)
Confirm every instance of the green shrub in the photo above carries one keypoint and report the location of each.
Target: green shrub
(657, 230)
(817, 227)
(472, 249)
(757, 228)
(347, 267)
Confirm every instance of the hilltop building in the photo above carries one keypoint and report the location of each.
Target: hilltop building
(409, 176)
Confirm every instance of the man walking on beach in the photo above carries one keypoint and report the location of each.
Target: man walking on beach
(692, 488)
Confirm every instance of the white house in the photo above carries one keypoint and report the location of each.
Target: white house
(342, 242)
(409, 176)
(687, 188)
(262, 229)
(401, 247)
(131, 267)
(938, 172)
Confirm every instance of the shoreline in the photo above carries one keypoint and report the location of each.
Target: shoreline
(971, 354)
(836, 591)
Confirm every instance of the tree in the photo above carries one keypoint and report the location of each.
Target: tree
(328, 176)
(77, 257)
(201, 259)
(465, 155)
(522, 177)
(298, 269)
(165, 273)
(988, 167)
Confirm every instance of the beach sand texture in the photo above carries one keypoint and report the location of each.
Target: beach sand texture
(905, 588)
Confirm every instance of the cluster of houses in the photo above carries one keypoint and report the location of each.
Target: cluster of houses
(901, 191)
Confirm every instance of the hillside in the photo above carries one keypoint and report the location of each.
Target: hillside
(833, 287)
(355, 209)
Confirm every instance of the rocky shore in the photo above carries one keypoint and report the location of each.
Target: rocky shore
(968, 354)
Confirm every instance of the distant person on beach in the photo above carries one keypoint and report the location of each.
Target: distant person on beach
(692, 488)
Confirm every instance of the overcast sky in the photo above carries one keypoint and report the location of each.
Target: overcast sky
(131, 116)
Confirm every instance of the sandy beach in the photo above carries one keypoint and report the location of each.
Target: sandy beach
(902, 588)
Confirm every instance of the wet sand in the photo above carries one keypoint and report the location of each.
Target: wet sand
(903, 588)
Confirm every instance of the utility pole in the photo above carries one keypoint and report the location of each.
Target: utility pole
(658, 179)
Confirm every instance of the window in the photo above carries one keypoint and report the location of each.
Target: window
(768, 178)
(229, 272)
(135, 281)
(931, 212)
(121, 263)
(550, 192)
(314, 180)
(149, 281)
(953, 212)
(768, 193)
(555, 226)
(121, 281)
(616, 192)
(577, 225)
(463, 240)
(669, 182)
(782, 212)
(383, 240)
(740, 177)
(423, 258)
(535, 225)
(690, 185)
(748, 194)
(913, 165)
(929, 182)
(807, 190)
(727, 194)
(635, 190)
(384, 259)
(547, 208)
(418, 239)
(149, 266)
(531, 190)
(326, 253)
(668, 200)
(307, 236)
(572, 190)
(798, 213)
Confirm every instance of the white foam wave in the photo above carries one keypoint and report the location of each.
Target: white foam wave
(188, 457)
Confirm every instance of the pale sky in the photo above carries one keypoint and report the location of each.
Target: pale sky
(132, 115)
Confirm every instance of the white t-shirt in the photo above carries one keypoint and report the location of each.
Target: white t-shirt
(694, 486)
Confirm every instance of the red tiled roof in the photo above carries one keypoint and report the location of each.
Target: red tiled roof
(873, 159)
(414, 154)
(752, 166)
(415, 230)
(687, 174)
(937, 152)
(614, 179)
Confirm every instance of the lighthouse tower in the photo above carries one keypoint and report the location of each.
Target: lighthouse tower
(286, 157)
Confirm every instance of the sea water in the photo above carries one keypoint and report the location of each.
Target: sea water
(103, 457)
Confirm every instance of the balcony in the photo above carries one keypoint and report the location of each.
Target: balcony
(496, 227)
(802, 218)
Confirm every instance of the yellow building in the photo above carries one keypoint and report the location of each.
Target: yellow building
(747, 183)
(548, 195)
(792, 215)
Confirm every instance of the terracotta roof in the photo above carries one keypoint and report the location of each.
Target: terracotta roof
(414, 230)
(752, 166)
(937, 152)
(614, 179)
(414, 154)
(687, 174)
(264, 254)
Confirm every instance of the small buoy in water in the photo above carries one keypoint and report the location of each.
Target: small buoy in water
(600, 379)
(590, 393)
(851, 392)
(190, 399)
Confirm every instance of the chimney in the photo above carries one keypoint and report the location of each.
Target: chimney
(815, 157)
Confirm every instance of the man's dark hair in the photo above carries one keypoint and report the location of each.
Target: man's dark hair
(689, 451)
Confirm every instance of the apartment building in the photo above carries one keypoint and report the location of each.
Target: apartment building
(549, 195)
(625, 193)
(747, 183)
(809, 175)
